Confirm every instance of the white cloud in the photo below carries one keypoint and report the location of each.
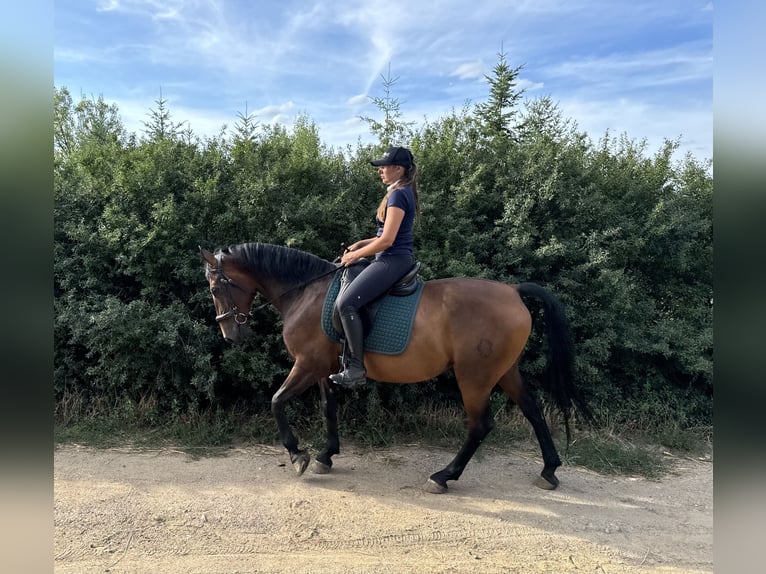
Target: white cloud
(650, 68)
(274, 113)
(108, 6)
(528, 85)
(644, 121)
(168, 14)
(359, 99)
(210, 56)
(470, 70)
(71, 55)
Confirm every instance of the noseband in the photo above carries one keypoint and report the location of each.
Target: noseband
(240, 318)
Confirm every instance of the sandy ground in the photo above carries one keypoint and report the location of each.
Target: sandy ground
(145, 511)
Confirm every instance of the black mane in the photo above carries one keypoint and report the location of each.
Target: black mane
(284, 264)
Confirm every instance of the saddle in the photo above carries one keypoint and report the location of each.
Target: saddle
(404, 287)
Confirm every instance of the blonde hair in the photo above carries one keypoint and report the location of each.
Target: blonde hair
(409, 178)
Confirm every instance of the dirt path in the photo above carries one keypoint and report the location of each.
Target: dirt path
(142, 511)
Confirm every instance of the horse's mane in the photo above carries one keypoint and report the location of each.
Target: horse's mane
(285, 264)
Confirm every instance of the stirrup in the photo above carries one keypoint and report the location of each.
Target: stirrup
(347, 379)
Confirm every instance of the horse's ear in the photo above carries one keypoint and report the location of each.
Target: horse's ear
(207, 256)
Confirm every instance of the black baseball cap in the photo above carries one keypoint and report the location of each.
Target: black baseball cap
(395, 156)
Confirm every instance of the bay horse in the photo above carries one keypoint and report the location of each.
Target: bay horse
(476, 327)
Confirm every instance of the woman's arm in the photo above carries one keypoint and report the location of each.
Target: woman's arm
(369, 247)
(359, 244)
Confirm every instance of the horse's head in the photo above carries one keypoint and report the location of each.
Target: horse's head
(231, 296)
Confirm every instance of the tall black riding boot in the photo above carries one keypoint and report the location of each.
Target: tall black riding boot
(353, 374)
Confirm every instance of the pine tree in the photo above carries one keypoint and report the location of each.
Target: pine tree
(246, 126)
(497, 114)
(392, 130)
(161, 125)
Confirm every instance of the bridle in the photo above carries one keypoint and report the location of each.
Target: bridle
(241, 318)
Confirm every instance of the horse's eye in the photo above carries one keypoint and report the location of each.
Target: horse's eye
(215, 290)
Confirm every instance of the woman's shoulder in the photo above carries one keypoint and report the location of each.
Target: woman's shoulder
(400, 195)
(404, 190)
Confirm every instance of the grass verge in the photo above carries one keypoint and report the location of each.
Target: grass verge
(636, 451)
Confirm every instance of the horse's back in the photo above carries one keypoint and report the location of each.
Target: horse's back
(457, 319)
(466, 301)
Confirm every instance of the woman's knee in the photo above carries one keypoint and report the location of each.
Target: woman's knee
(346, 303)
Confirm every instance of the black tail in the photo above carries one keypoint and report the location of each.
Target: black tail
(559, 377)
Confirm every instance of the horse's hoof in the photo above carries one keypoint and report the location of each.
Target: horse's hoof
(541, 482)
(318, 467)
(434, 487)
(301, 462)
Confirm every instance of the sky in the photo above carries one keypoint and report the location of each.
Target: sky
(639, 68)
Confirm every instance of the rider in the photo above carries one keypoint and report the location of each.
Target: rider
(393, 248)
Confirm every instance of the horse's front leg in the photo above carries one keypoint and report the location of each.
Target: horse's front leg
(297, 381)
(323, 461)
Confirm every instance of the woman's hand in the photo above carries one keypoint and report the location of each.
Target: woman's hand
(349, 257)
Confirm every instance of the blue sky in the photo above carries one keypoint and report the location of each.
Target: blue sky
(643, 68)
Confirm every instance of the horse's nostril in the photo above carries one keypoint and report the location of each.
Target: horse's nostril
(228, 339)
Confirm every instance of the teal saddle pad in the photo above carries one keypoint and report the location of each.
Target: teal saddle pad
(392, 328)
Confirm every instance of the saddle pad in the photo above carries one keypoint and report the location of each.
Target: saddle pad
(391, 331)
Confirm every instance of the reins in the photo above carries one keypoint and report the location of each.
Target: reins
(296, 287)
(241, 318)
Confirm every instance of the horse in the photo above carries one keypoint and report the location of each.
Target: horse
(478, 328)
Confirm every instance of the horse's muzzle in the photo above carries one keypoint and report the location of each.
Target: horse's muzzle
(237, 333)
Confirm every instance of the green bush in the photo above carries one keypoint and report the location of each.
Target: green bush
(624, 240)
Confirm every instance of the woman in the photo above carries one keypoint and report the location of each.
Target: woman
(392, 247)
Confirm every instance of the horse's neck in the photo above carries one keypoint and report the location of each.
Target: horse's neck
(273, 272)
(274, 292)
(299, 299)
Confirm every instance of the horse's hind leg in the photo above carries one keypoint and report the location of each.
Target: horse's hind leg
(480, 423)
(513, 386)
(323, 461)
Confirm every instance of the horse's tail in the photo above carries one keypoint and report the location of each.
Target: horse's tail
(559, 377)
